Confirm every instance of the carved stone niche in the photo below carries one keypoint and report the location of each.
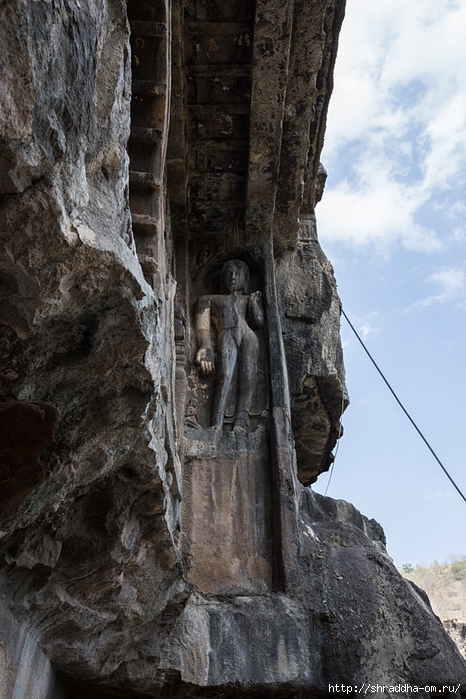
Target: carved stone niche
(228, 371)
(227, 533)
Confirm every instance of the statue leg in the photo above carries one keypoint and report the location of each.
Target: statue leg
(247, 375)
(227, 353)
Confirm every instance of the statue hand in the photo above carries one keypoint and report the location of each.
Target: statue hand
(255, 296)
(205, 359)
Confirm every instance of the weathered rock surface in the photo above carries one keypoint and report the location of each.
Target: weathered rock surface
(351, 619)
(310, 318)
(90, 474)
(457, 630)
(251, 585)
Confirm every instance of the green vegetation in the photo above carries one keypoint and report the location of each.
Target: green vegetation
(458, 570)
(445, 585)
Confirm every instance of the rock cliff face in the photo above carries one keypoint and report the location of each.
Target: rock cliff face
(143, 145)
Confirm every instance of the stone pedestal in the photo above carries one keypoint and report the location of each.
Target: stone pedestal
(227, 512)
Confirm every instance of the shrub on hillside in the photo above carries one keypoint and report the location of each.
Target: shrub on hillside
(458, 570)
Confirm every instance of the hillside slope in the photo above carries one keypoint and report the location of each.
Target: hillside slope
(446, 588)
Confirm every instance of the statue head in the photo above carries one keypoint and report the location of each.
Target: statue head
(235, 275)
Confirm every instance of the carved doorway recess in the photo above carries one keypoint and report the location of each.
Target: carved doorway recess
(228, 530)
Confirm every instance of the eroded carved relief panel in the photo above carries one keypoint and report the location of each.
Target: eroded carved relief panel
(228, 375)
(234, 315)
(227, 527)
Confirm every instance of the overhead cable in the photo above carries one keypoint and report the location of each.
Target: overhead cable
(403, 408)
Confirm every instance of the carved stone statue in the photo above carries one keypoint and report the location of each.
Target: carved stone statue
(233, 316)
(190, 419)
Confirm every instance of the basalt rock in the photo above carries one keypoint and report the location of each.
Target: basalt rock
(143, 553)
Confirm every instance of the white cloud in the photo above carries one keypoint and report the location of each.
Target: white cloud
(457, 211)
(438, 496)
(369, 398)
(396, 139)
(366, 330)
(366, 327)
(377, 211)
(452, 283)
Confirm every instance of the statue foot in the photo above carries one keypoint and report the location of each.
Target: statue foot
(240, 425)
(217, 421)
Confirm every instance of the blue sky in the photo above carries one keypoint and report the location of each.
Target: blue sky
(393, 223)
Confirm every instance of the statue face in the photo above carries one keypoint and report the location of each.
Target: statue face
(234, 276)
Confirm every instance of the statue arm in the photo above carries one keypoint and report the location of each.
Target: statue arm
(205, 355)
(256, 314)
